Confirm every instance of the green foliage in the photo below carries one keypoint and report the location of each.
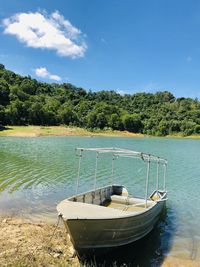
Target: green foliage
(24, 101)
(4, 92)
(115, 122)
(2, 115)
(2, 67)
(132, 123)
(68, 116)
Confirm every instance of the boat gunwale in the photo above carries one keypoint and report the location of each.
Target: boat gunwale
(125, 214)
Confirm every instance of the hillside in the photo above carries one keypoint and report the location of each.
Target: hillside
(26, 101)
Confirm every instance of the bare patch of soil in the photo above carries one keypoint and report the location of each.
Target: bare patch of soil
(24, 243)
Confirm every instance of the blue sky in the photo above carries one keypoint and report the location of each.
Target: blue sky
(128, 46)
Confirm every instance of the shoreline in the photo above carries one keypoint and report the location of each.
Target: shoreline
(25, 243)
(40, 131)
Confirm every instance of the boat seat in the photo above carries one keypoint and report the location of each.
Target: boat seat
(128, 200)
(125, 208)
(120, 199)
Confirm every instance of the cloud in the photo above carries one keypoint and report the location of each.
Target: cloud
(42, 72)
(121, 92)
(53, 31)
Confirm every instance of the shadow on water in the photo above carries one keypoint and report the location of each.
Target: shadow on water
(148, 251)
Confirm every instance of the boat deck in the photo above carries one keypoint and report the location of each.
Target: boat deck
(128, 204)
(116, 206)
(125, 207)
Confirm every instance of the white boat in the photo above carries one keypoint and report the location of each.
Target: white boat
(109, 217)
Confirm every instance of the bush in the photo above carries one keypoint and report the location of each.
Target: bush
(132, 123)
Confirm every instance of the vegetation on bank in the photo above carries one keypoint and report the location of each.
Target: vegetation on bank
(25, 101)
(37, 131)
(33, 131)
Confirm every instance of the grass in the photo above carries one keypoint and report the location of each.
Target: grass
(33, 131)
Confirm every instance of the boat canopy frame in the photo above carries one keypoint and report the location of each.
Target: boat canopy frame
(118, 152)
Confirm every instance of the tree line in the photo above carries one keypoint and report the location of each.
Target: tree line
(26, 101)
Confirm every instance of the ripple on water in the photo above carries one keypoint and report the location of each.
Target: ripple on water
(36, 173)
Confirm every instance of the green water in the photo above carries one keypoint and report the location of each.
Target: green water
(37, 173)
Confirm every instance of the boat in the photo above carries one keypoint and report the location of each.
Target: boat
(109, 217)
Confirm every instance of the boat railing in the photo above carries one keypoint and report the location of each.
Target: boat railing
(118, 152)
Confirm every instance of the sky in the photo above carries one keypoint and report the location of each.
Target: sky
(124, 45)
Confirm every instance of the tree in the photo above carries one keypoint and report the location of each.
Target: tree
(24, 100)
(4, 92)
(91, 120)
(68, 116)
(29, 86)
(132, 123)
(115, 122)
(2, 115)
(188, 127)
(16, 113)
(101, 120)
(38, 115)
(162, 128)
(2, 67)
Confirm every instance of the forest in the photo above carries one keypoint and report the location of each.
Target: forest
(26, 101)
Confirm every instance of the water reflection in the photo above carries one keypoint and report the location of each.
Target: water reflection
(149, 251)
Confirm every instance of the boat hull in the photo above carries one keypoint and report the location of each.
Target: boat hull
(88, 235)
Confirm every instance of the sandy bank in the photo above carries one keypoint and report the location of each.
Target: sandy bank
(34, 131)
(23, 243)
(177, 262)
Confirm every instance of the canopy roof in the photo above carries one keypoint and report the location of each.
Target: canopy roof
(118, 152)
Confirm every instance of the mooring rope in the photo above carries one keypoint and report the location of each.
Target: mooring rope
(51, 237)
(58, 221)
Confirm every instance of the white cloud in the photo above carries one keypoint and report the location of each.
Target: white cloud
(53, 31)
(121, 92)
(42, 72)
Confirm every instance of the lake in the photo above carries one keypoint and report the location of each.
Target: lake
(37, 173)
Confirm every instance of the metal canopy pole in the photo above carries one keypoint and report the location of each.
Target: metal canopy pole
(165, 170)
(79, 168)
(147, 181)
(112, 173)
(157, 178)
(95, 173)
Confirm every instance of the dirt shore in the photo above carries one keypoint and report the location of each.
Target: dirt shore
(34, 131)
(24, 243)
(178, 262)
